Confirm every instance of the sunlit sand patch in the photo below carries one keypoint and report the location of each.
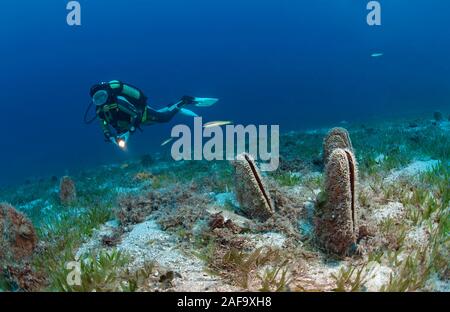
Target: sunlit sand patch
(392, 210)
(413, 169)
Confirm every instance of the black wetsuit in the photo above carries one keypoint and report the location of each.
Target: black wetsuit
(126, 109)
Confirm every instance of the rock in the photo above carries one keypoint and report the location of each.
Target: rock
(438, 116)
(18, 238)
(266, 240)
(135, 209)
(67, 190)
(238, 220)
(22, 277)
(147, 160)
(222, 199)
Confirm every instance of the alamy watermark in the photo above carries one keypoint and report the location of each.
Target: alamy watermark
(374, 16)
(74, 16)
(213, 143)
(74, 273)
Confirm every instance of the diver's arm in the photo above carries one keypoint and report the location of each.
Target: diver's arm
(104, 124)
(106, 130)
(129, 109)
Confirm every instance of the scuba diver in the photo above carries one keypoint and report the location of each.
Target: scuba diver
(123, 108)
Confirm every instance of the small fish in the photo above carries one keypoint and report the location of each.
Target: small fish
(188, 112)
(377, 54)
(216, 124)
(166, 141)
(124, 166)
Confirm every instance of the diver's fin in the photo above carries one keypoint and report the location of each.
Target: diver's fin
(204, 102)
(187, 112)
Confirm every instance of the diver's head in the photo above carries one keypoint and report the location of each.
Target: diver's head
(100, 97)
(99, 93)
(95, 88)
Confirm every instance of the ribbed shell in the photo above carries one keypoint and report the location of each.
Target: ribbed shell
(336, 138)
(251, 191)
(337, 219)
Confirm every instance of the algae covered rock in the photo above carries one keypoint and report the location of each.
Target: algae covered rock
(67, 190)
(17, 235)
(135, 209)
(251, 191)
(336, 138)
(336, 220)
(438, 116)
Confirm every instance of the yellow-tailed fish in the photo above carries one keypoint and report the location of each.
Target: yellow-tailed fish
(166, 141)
(216, 123)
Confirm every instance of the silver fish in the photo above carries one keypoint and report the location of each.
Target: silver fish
(166, 141)
(217, 123)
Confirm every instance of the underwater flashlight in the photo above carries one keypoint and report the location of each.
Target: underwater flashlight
(121, 140)
(121, 143)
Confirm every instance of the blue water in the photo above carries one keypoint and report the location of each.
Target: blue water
(299, 64)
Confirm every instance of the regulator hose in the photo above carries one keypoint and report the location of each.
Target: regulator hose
(91, 120)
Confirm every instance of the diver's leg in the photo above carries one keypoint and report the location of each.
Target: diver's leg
(165, 114)
(161, 116)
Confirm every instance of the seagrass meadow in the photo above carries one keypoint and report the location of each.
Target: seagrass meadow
(357, 207)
